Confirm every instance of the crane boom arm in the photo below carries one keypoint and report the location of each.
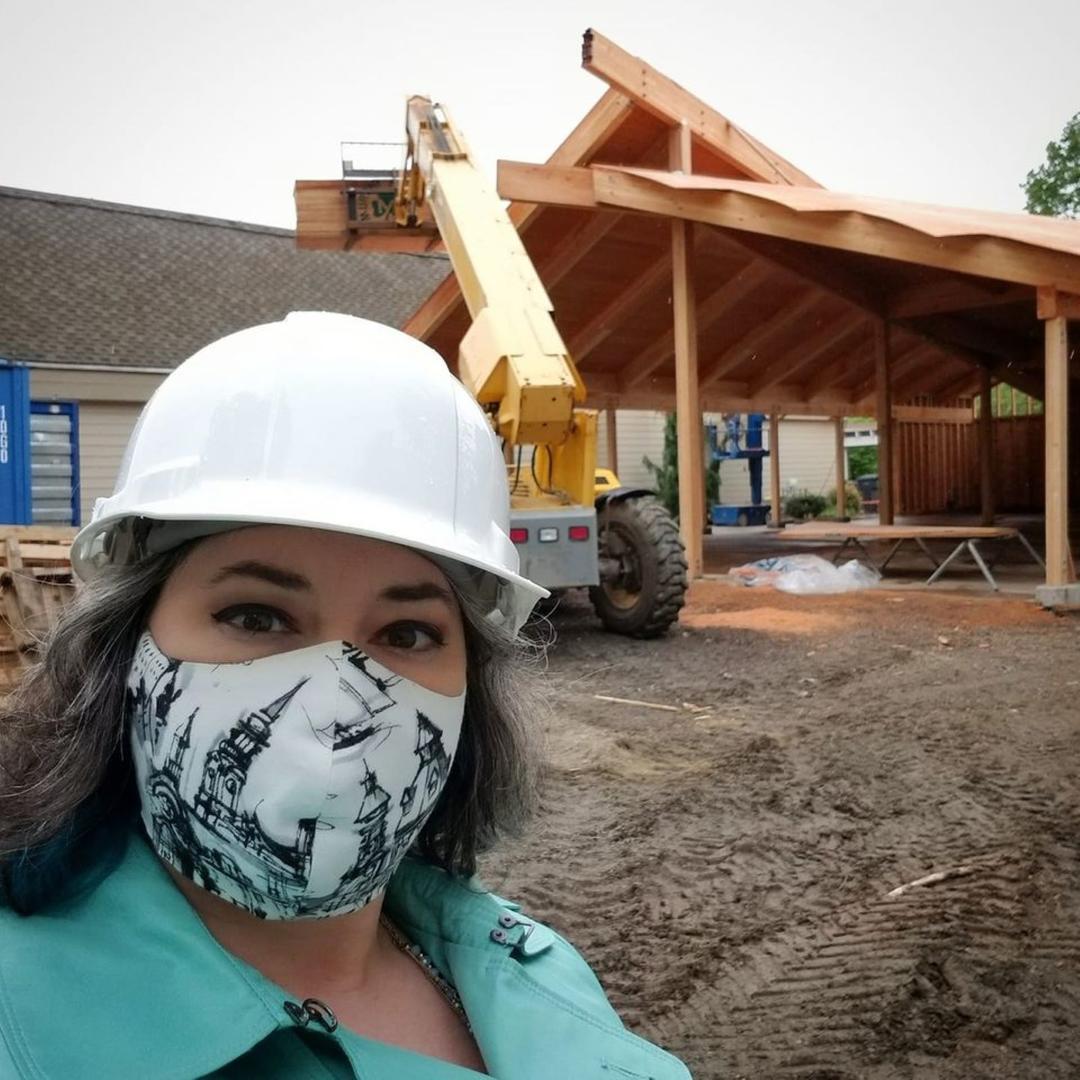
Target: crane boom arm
(512, 357)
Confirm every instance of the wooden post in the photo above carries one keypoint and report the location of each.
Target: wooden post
(1056, 411)
(774, 468)
(612, 434)
(841, 471)
(986, 447)
(687, 392)
(883, 388)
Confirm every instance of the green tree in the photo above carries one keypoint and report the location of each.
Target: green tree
(667, 472)
(1054, 187)
(862, 460)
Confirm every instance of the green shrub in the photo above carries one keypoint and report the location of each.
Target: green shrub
(803, 505)
(852, 501)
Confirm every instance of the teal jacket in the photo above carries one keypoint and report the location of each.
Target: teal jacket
(125, 983)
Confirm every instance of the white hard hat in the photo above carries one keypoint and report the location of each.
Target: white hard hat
(325, 421)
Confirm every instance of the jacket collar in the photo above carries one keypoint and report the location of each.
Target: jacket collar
(146, 991)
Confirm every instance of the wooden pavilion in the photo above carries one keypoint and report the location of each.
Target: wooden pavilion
(691, 267)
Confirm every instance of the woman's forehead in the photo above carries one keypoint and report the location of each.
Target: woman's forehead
(318, 555)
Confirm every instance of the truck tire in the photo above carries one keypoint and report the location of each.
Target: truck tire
(643, 598)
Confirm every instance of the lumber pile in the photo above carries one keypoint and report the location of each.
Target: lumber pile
(35, 586)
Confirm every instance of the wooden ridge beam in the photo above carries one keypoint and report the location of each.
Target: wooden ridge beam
(720, 301)
(654, 92)
(803, 356)
(758, 337)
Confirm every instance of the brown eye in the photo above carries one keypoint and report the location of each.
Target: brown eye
(254, 619)
(411, 636)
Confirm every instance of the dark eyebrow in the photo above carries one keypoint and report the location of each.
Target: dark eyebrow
(424, 590)
(275, 575)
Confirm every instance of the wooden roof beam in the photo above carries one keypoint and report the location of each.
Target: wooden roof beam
(723, 396)
(757, 338)
(608, 317)
(579, 147)
(1006, 260)
(713, 307)
(667, 101)
(569, 251)
(807, 352)
(967, 385)
(990, 341)
(950, 295)
(1051, 303)
(902, 367)
(824, 378)
(573, 187)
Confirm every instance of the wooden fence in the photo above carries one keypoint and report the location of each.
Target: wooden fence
(936, 465)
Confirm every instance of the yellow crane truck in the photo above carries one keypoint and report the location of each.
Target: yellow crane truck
(574, 524)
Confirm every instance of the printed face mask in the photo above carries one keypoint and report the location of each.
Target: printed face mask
(292, 785)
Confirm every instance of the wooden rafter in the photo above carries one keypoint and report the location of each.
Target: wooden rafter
(574, 247)
(941, 297)
(824, 378)
(804, 355)
(665, 99)
(713, 307)
(629, 298)
(965, 334)
(757, 338)
(906, 365)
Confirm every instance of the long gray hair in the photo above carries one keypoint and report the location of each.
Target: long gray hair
(67, 783)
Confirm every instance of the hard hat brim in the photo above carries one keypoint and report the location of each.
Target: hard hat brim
(308, 508)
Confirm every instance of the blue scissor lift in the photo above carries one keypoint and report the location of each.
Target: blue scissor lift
(739, 445)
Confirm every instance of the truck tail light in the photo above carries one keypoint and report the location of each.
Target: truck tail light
(519, 536)
(578, 532)
(547, 536)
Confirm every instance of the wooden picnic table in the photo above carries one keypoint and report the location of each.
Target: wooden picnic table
(967, 537)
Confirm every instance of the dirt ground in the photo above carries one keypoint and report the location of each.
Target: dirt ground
(726, 867)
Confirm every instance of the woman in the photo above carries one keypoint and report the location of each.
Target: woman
(244, 793)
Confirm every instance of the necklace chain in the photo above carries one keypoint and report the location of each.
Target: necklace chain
(434, 976)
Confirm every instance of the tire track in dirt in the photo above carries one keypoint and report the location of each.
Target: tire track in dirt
(726, 873)
(887, 976)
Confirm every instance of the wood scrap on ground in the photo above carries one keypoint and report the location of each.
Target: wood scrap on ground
(932, 879)
(633, 701)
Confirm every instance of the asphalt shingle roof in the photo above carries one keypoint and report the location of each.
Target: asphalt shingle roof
(88, 282)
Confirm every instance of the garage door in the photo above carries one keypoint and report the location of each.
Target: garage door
(104, 428)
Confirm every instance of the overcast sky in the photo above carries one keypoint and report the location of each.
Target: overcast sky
(216, 106)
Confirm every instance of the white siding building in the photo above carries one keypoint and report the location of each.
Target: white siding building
(807, 454)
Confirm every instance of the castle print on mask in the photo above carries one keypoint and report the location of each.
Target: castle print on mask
(292, 785)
